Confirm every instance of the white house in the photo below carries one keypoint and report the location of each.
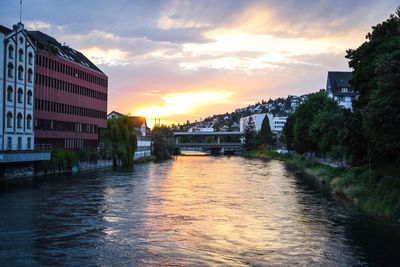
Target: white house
(17, 68)
(339, 88)
(275, 123)
(143, 135)
(257, 118)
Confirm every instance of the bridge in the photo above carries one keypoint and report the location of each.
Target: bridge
(197, 141)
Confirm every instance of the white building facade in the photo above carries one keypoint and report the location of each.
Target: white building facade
(338, 87)
(275, 123)
(17, 68)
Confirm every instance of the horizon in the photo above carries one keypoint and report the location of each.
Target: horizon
(179, 61)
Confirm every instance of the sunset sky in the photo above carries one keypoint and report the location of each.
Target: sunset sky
(186, 60)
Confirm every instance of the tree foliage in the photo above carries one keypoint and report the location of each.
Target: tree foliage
(376, 78)
(264, 136)
(119, 139)
(249, 134)
(163, 142)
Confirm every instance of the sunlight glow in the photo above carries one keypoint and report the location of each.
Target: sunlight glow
(183, 103)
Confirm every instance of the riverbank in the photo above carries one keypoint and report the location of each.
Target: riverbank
(376, 191)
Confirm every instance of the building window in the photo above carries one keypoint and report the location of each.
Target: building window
(30, 57)
(21, 55)
(19, 143)
(10, 52)
(345, 90)
(20, 95)
(20, 73)
(10, 70)
(30, 97)
(29, 121)
(21, 40)
(9, 143)
(30, 75)
(9, 94)
(9, 119)
(28, 143)
(19, 120)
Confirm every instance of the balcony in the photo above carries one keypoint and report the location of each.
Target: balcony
(19, 153)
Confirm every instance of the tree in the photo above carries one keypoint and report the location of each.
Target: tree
(288, 131)
(163, 142)
(249, 134)
(119, 139)
(376, 78)
(264, 136)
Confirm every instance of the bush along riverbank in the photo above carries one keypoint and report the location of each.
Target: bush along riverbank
(375, 191)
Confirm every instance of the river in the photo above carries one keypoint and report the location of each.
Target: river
(190, 211)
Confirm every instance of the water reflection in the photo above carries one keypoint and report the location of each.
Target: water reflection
(190, 211)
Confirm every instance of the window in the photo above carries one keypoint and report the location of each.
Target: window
(29, 121)
(9, 143)
(30, 57)
(19, 143)
(20, 73)
(10, 70)
(30, 97)
(345, 90)
(21, 55)
(20, 95)
(30, 75)
(21, 40)
(9, 120)
(19, 120)
(28, 143)
(9, 94)
(10, 52)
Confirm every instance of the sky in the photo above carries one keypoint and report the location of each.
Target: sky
(186, 60)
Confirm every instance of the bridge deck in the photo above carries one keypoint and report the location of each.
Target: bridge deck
(208, 134)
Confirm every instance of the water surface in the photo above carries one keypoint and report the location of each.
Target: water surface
(225, 211)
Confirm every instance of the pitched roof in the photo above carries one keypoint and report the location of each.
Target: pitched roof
(50, 44)
(338, 80)
(5, 30)
(116, 113)
(138, 121)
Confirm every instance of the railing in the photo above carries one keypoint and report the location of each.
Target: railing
(26, 147)
(209, 145)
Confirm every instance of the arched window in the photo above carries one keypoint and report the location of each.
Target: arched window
(9, 119)
(10, 52)
(10, 70)
(21, 55)
(21, 40)
(30, 97)
(30, 57)
(20, 73)
(9, 94)
(30, 75)
(20, 96)
(29, 121)
(19, 120)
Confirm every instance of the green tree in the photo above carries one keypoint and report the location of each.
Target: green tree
(163, 142)
(288, 132)
(249, 134)
(376, 78)
(264, 136)
(119, 139)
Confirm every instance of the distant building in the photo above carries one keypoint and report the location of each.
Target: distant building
(201, 129)
(70, 96)
(257, 118)
(114, 114)
(276, 123)
(143, 134)
(144, 138)
(339, 88)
